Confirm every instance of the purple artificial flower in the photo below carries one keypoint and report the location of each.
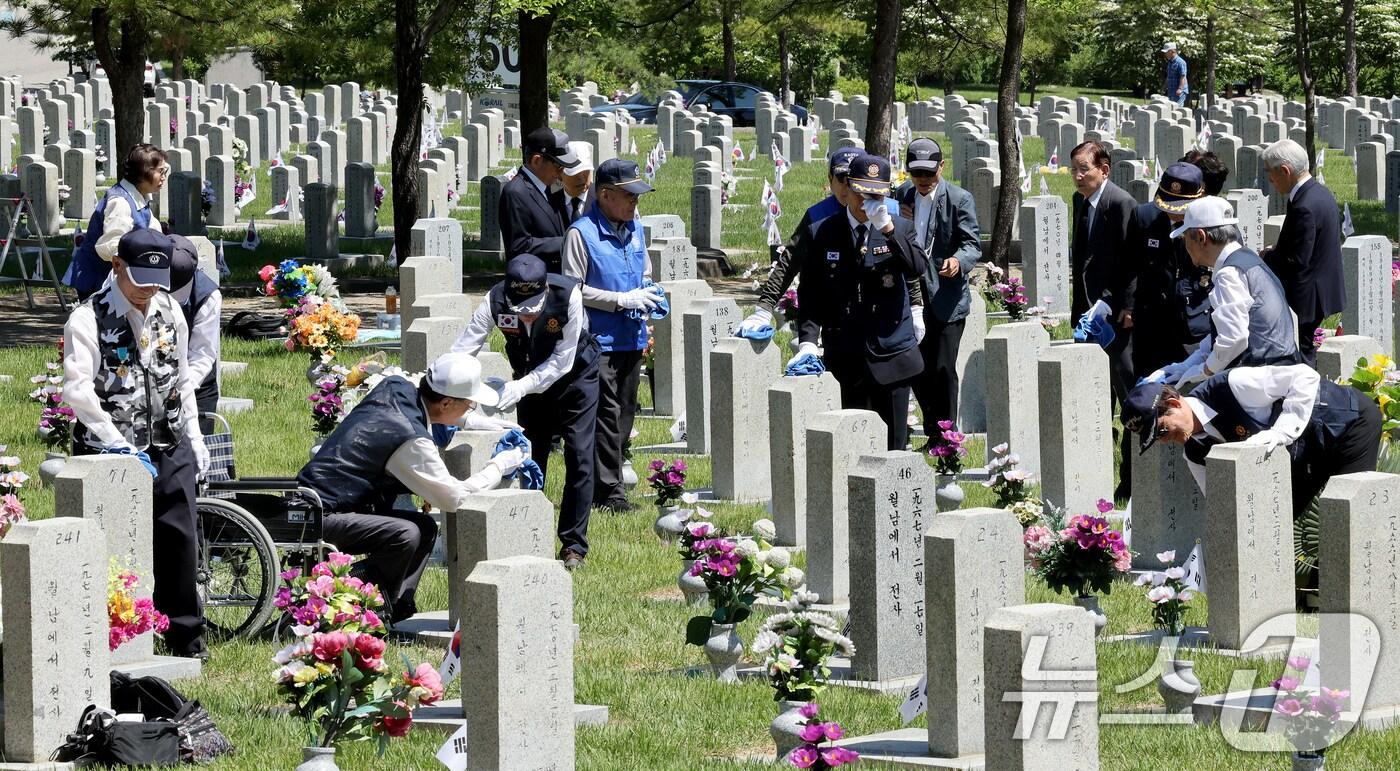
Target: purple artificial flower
(813, 732)
(833, 731)
(678, 465)
(656, 465)
(804, 757)
(809, 710)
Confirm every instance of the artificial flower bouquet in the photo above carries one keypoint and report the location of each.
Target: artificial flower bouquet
(129, 616)
(57, 419)
(811, 753)
(1169, 592)
(667, 480)
(1310, 715)
(947, 447)
(797, 643)
(11, 481)
(321, 328)
(736, 571)
(327, 404)
(1378, 378)
(1012, 485)
(334, 674)
(1085, 555)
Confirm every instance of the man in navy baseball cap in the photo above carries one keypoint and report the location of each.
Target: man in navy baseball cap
(619, 174)
(146, 254)
(869, 175)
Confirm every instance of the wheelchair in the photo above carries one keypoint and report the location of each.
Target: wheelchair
(249, 531)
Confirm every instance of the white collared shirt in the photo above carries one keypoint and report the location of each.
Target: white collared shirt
(1230, 300)
(923, 213)
(82, 364)
(541, 186)
(1296, 185)
(1257, 389)
(418, 464)
(1093, 202)
(118, 219)
(559, 363)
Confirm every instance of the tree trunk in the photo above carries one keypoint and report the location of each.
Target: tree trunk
(731, 62)
(126, 72)
(1302, 39)
(884, 52)
(1008, 148)
(784, 71)
(177, 57)
(1349, 44)
(534, 70)
(1210, 65)
(409, 52)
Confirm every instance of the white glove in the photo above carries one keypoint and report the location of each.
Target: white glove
(877, 212)
(201, 456)
(1167, 374)
(638, 300)
(511, 394)
(918, 316)
(478, 420)
(802, 350)
(508, 460)
(1191, 376)
(756, 321)
(1269, 439)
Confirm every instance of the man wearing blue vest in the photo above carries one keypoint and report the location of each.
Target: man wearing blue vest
(383, 449)
(555, 365)
(202, 303)
(604, 250)
(1327, 428)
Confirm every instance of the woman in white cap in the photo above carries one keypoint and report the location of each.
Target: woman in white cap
(383, 449)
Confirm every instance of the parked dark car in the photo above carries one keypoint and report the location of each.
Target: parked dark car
(737, 100)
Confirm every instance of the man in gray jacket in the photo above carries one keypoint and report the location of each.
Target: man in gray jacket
(945, 226)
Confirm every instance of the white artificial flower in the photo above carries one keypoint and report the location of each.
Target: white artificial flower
(765, 529)
(1167, 557)
(690, 498)
(288, 672)
(746, 548)
(1175, 573)
(703, 513)
(793, 578)
(765, 641)
(821, 619)
(9, 461)
(1159, 578)
(1001, 448)
(787, 662)
(1161, 594)
(1015, 475)
(778, 558)
(1143, 580)
(1185, 595)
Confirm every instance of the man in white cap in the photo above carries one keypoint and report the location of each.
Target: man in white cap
(1250, 322)
(383, 449)
(577, 194)
(1176, 88)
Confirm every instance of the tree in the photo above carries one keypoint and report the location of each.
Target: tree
(1302, 40)
(1008, 146)
(534, 30)
(1349, 44)
(883, 56)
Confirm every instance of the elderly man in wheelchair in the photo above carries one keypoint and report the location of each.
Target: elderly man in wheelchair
(382, 449)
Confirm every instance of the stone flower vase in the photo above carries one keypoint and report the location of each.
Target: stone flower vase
(1308, 761)
(629, 475)
(669, 523)
(52, 466)
(1179, 687)
(949, 493)
(1090, 602)
(723, 649)
(318, 759)
(692, 587)
(786, 728)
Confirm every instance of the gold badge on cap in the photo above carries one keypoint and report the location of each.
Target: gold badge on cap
(874, 170)
(1176, 187)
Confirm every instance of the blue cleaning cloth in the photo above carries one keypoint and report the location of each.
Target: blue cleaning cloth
(762, 333)
(442, 434)
(1096, 330)
(662, 310)
(140, 455)
(809, 364)
(531, 477)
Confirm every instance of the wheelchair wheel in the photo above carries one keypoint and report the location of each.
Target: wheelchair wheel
(236, 574)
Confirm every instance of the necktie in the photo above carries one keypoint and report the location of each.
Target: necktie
(860, 237)
(574, 205)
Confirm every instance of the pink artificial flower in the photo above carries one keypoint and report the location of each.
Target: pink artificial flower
(369, 650)
(290, 575)
(1286, 683)
(267, 273)
(11, 506)
(329, 646)
(833, 731)
(1104, 505)
(396, 727)
(425, 682)
(1123, 561)
(656, 465)
(809, 710)
(1290, 707)
(838, 756)
(813, 732)
(1300, 663)
(678, 465)
(804, 757)
(339, 559)
(321, 586)
(371, 620)
(283, 597)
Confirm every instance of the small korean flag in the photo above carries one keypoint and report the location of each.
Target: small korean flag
(453, 753)
(251, 239)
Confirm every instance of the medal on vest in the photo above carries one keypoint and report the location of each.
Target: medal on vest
(552, 325)
(888, 281)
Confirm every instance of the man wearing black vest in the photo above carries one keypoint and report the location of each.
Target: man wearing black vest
(202, 303)
(127, 378)
(1327, 428)
(555, 365)
(383, 449)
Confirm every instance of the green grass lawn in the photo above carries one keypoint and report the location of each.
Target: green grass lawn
(631, 651)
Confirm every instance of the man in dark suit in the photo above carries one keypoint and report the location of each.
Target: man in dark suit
(1100, 268)
(532, 218)
(945, 228)
(1308, 255)
(853, 294)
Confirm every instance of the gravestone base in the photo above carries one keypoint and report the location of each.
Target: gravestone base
(650, 412)
(1257, 707)
(446, 716)
(430, 628)
(232, 405)
(232, 368)
(345, 262)
(905, 748)
(483, 255)
(842, 676)
(364, 243)
(1198, 637)
(164, 667)
(669, 448)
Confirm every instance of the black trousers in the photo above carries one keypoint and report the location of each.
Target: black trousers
(1121, 380)
(175, 545)
(861, 391)
(396, 546)
(1355, 450)
(1306, 330)
(568, 409)
(619, 374)
(936, 388)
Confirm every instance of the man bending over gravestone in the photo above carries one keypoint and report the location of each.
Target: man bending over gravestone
(1326, 428)
(383, 449)
(127, 377)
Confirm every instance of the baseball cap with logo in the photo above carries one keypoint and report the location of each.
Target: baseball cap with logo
(526, 281)
(1168, 47)
(923, 154)
(622, 175)
(1208, 212)
(1181, 184)
(146, 254)
(869, 175)
(458, 375)
(840, 163)
(552, 144)
(184, 263)
(1139, 413)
